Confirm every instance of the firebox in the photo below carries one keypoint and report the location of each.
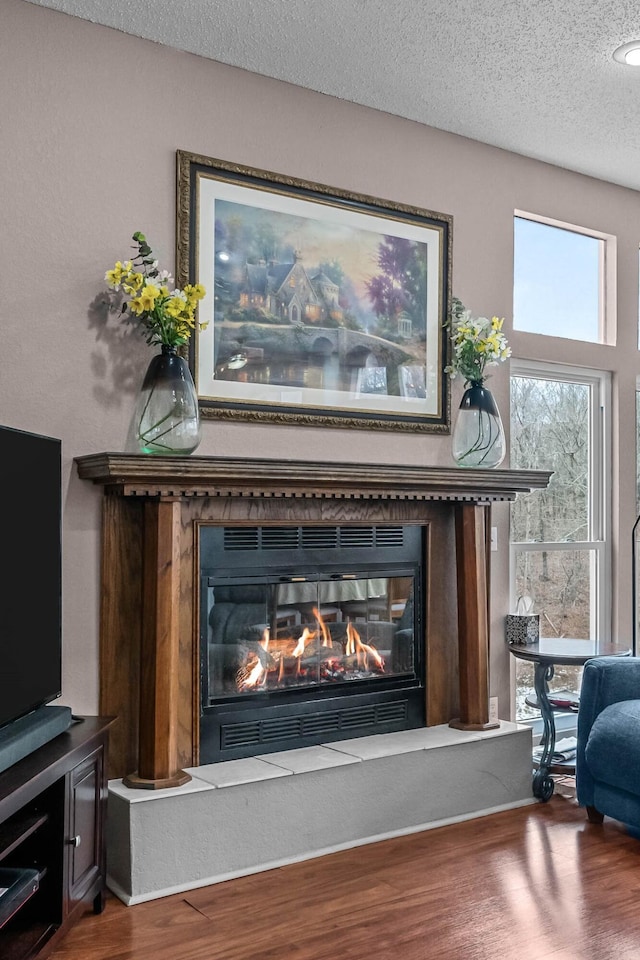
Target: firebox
(309, 635)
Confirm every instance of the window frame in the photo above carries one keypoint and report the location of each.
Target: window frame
(607, 287)
(600, 488)
(635, 548)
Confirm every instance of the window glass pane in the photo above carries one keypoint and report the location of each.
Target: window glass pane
(637, 452)
(636, 529)
(559, 583)
(550, 431)
(556, 281)
(636, 583)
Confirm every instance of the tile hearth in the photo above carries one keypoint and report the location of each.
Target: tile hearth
(249, 815)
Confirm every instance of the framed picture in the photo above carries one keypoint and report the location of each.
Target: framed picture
(322, 307)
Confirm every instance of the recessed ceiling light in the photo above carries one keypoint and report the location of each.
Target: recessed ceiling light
(628, 53)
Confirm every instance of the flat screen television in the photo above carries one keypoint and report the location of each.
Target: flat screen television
(31, 579)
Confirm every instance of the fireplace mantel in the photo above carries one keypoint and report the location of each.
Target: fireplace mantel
(152, 509)
(139, 476)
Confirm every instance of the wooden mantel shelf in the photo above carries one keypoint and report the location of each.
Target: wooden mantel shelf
(193, 476)
(153, 510)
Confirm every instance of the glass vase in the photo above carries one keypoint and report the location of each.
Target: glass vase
(166, 419)
(478, 435)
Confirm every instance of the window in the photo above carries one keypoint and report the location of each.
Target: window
(635, 560)
(559, 550)
(638, 447)
(560, 280)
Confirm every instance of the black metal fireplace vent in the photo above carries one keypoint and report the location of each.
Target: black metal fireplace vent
(300, 538)
(223, 550)
(288, 730)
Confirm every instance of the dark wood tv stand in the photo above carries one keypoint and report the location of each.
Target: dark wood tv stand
(52, 819)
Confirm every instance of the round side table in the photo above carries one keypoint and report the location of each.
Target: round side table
(545, 655)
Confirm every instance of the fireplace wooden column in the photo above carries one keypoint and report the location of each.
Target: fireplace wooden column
(473, 523)
(149, 621)
(158, 765)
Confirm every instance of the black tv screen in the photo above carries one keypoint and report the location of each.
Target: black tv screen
(31, 581)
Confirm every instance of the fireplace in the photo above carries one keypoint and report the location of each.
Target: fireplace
(309, 635)
(155, 511)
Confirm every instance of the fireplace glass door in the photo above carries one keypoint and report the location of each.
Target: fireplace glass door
(299, 632)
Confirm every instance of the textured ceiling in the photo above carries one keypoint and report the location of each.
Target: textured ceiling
(533, 76)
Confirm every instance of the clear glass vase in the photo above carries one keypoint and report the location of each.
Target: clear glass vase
(166, 419)
(478, 435)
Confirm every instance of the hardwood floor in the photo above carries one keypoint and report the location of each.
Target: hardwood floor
(536, 883)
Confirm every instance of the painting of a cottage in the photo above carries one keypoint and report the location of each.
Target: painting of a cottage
(321, 305)
(303, 303)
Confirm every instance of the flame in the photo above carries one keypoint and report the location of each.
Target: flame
(352, 634)
(375, 656)
(260, 672)
(257, 675)
(361, 650)
(326, 636)
(304, 638)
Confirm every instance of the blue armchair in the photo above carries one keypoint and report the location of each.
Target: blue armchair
(608, 749)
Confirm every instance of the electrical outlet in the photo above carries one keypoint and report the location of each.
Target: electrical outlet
(494, 538)
(493, 709)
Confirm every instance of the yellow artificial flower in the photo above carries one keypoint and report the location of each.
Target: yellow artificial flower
(132, 282)
(166, 317)
(477, 343)
(148, 296)
(183, 330)
(194, 292)
(114, 277)
(136, 307)
(174, 306)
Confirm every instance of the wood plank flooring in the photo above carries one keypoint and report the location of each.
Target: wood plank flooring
(537, 883)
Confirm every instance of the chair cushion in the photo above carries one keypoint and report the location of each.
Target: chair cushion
(613, 748)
